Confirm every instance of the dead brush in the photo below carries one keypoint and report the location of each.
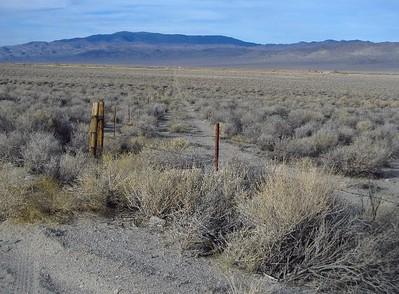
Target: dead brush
(174, 154)
(100, 186)
(168, 159)
(296, 231)
(160, 193)
(363, 157)
(203, 227)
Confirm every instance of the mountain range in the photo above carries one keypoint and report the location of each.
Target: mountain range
(153, 49)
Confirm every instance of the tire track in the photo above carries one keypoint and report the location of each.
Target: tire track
(27, 269)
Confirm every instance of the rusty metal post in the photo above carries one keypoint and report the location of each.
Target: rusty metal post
(114, 120)
(93, 129)
(217, 143)
(100, 127)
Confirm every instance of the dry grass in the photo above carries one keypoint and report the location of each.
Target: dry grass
(286, 222)
(238, 287)
(363, 157)
(289, 196)
(312, 114)
(14, 183)
(203, 228)
(162, 193)
(32, 199)
(179, 127)
(45, 201)
(296, 230)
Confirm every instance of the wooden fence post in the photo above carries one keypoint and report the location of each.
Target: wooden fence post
(100, 127)
(217, 142)
(93, 129)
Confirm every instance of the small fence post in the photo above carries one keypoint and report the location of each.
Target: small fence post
(93, 129)
(129, 114)
(217, 142)
(100, 127)
(114, 120)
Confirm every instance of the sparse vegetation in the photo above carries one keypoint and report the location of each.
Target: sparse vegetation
(285, 220)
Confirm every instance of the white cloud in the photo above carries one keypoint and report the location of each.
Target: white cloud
(32, 4)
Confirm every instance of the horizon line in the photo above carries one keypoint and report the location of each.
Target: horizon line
(203, 35)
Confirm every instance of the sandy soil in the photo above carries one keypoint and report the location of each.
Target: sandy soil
(95, 255)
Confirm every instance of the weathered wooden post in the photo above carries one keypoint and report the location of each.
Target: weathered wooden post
(217, 142)
(100, 127)
(128, 114)
(93, 129)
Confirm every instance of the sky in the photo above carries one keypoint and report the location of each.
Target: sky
(267, 21)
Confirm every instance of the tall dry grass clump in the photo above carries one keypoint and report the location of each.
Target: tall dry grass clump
(100, 185)
(130, 181)
(13, 186)
(45, 201)
(160, 193)
(29, 198)
(289, 196)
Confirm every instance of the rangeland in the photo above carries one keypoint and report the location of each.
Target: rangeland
(305, 199)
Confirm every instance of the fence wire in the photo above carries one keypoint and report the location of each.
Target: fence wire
(211, 161)
(368, 196)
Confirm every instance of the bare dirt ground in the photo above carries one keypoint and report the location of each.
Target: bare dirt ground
(95, 255)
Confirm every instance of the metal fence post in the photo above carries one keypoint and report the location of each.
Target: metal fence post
(114, 120)
(217, 142)
(100, 127)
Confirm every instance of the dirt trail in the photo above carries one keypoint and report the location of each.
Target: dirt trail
(387, 185)
(101, 256)
(228, 151)
(202, 138)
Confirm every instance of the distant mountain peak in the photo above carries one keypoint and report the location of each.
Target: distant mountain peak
(162, 39)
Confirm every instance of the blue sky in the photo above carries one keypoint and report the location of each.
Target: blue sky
(282, 21)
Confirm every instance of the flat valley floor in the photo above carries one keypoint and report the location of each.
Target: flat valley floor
(93, 254)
